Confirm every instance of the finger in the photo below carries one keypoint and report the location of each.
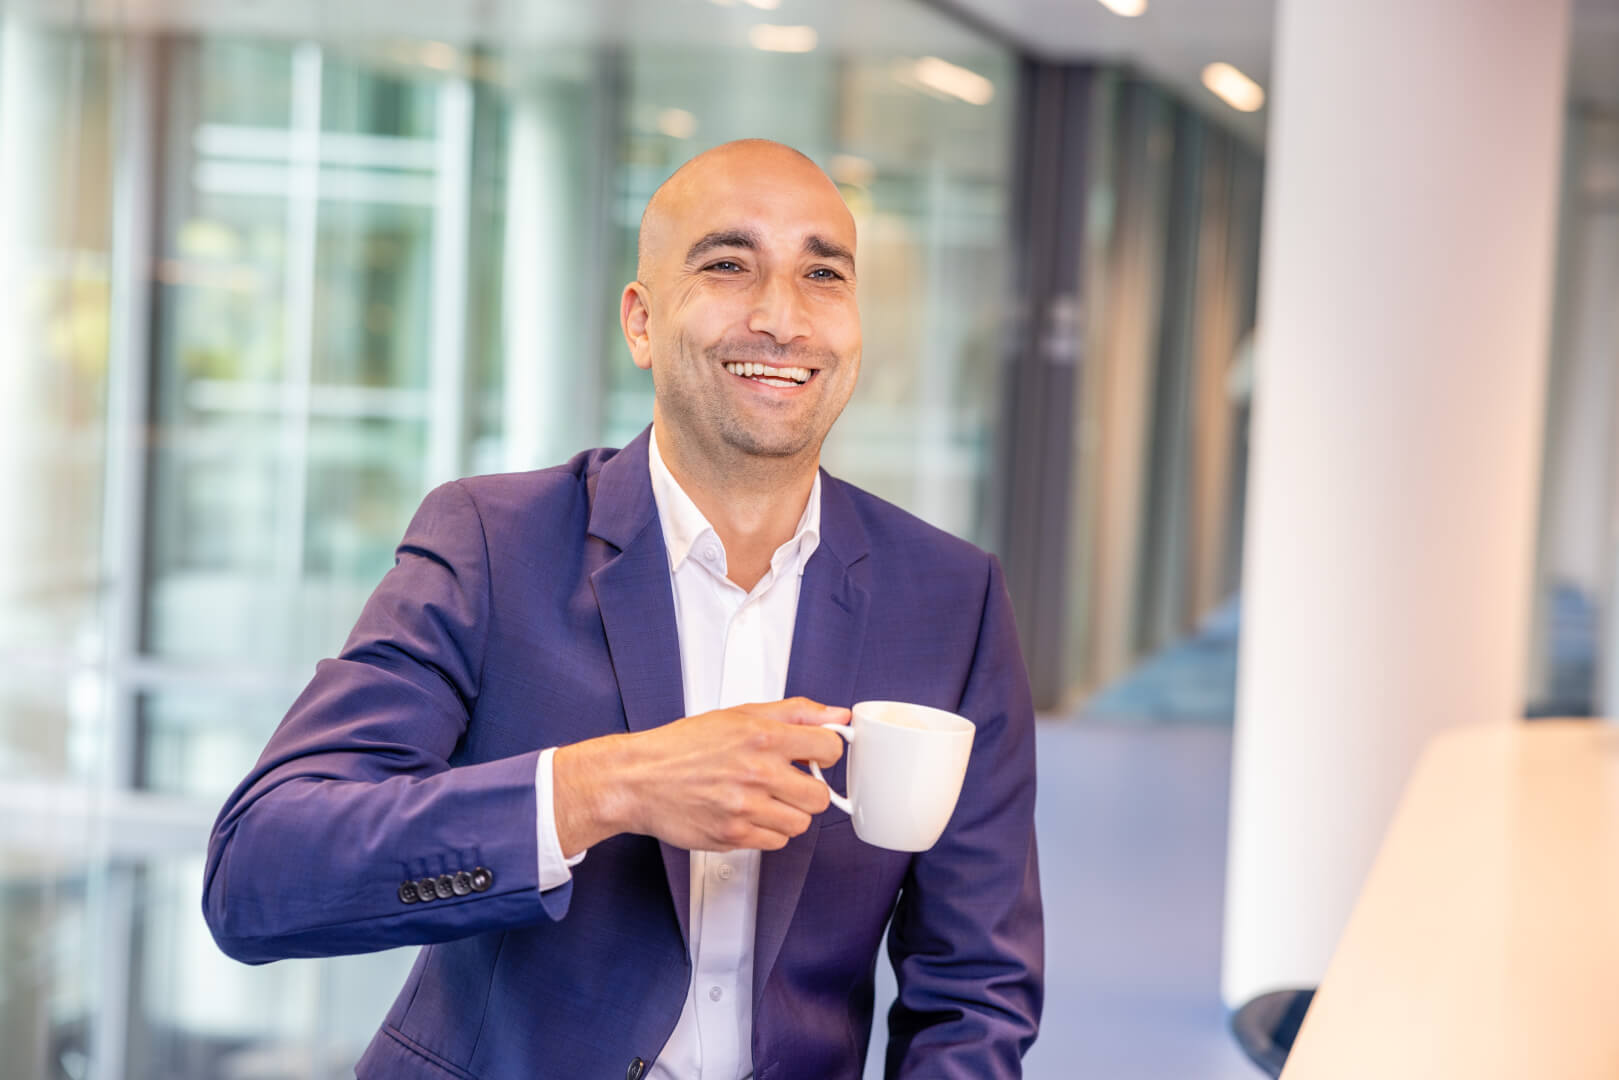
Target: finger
(776, 816)
(754, 839)
(809, 744)
(800, 710)
(802, 792)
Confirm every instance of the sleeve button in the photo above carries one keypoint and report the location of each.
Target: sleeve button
(461, 883)
(482, 878)
(444, 886)
(636, 1070)
(407, 893)
(426, 889)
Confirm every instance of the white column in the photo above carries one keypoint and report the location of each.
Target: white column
(546, 405)
(452, 195)
(1406, 285)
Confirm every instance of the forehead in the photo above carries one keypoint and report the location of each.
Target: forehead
(781, 202)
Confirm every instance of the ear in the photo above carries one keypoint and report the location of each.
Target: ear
(634, 313)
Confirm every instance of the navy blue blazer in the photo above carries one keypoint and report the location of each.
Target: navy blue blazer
(535, 609)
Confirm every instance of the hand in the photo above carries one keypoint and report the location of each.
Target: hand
(713, 782)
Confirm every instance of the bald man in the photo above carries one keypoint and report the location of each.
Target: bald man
(563, 747)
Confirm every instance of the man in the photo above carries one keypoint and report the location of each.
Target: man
(560, 747)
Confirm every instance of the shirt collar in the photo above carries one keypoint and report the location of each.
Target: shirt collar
(684, 525)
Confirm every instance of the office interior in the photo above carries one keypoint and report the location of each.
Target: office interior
(270, 272)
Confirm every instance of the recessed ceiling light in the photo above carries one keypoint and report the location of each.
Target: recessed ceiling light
(1233, 87)
(955, 81)
(438, 55)
(1128, 8)
(765, 5)
(789, 39)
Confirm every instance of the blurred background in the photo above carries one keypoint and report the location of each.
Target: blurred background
(270, 271)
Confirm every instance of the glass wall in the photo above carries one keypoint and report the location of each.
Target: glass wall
(265, 284)
(1172, 267)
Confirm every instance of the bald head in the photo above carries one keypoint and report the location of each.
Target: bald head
(746, 257)
(715, 179)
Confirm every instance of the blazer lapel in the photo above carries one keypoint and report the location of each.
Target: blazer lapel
(827, 638)
(637, 606)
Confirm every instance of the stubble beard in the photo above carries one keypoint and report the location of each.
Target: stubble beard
(736, 438)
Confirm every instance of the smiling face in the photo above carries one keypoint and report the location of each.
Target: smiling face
(744, 310)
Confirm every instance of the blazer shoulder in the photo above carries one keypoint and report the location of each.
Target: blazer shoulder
(541, 506)
(899, 536)
(550, 489)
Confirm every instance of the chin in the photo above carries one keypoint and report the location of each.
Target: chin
(770, 444)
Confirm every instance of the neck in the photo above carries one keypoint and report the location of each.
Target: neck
(754, 503)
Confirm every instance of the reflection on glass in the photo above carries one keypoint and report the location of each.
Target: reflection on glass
(196, 1013)
(202, 743)
(55, 307)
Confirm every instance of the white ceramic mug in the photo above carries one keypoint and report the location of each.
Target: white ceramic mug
(906, 764)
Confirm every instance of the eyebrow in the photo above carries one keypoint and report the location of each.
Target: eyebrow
(822, 248)
(748, 240)
(723, 238)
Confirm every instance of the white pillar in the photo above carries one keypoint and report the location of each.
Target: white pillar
(1406, 285)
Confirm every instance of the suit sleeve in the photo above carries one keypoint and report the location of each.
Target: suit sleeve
(354, 794)
(967, 939)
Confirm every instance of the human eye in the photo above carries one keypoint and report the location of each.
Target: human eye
(825, 273)
(725, 266)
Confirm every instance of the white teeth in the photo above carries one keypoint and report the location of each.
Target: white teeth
(782, 376)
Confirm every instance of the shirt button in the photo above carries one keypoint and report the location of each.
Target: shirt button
(715, 993)
(711, 553)
(725, 871)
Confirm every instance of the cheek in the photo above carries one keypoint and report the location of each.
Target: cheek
(708, 316)
(850, 342)
(840, 330)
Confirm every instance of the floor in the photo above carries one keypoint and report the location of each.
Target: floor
(1132, 823)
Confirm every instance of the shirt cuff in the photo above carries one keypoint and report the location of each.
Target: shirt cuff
(554, 869)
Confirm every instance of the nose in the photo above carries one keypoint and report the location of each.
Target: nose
(778, 310)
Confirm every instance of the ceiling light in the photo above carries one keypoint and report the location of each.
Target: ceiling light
(792, 39)
(1233, 87)
(438, 55)
(957, 82)
(765, 5)
(677, 123)
(1128, 8)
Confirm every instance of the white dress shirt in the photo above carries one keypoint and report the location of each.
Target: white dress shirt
(734, 648)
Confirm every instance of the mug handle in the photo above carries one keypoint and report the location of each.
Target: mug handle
(839, 801)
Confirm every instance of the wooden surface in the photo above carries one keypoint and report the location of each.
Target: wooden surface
(1485, 942)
